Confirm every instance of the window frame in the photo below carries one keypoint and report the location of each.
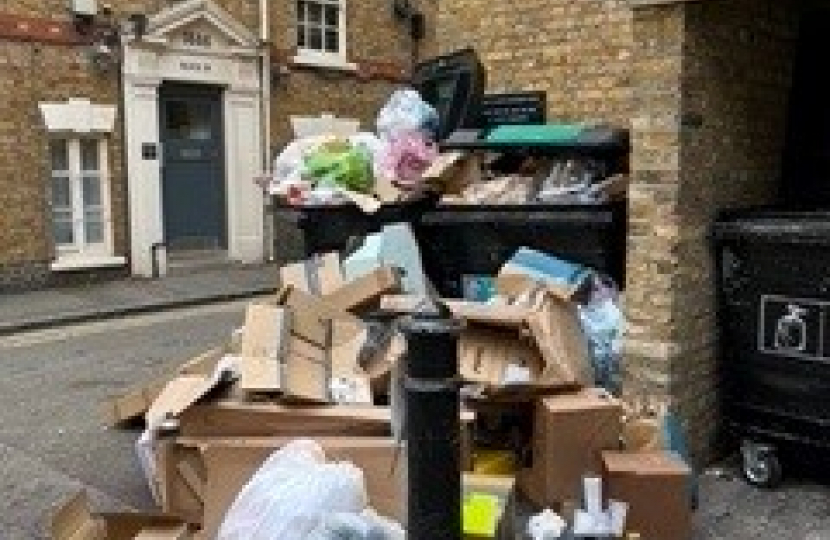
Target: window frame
(321, 57)
(80, 250)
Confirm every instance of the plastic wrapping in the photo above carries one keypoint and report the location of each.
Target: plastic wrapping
(340, 165)
(408, 155)
(406, 111)
(292, 494)
(365, 526)
(603, 324)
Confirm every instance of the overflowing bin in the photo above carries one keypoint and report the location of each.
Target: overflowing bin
(773, 277)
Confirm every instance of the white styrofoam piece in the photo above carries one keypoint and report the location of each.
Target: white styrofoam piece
(618, 511)
(593, 494)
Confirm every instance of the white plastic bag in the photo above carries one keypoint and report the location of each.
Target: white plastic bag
(366, 526)
(292, 493)
(406, 111)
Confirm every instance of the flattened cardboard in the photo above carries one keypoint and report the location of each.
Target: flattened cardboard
(205, 364)
(230, 418)
(231, 463)
(366, 290)
(310, 316)
(76, 521)
(181, 480)
(570, 432)
(179, 394)
(490, 314)
(133, 404)
(318, 275)
(264, 345)
(307, 372)
(379, 368)
(477, 312)
(655, 486)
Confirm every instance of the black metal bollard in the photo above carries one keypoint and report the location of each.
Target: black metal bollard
(432, 425)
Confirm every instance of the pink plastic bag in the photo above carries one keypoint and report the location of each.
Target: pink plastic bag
(407, 157)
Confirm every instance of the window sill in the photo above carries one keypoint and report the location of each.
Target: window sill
(326, 62)
(68, 263)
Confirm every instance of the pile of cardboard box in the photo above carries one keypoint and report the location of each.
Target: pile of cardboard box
(309, 364)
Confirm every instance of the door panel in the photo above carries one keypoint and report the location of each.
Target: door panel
(193, 167)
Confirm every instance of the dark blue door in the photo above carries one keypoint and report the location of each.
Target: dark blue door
(193, 186)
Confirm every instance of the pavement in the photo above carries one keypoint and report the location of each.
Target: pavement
(61, 306)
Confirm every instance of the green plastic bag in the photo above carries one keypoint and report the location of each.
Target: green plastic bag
(340, 165)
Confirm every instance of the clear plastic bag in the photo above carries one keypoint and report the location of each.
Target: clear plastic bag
(292, 493)
(406, 111)
(603, 323)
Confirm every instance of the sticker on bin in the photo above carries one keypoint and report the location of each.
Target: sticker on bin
(794, 327)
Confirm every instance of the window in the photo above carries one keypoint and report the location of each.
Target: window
(79, 198)
(321, 33)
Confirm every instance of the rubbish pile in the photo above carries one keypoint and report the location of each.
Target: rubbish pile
(292, 428)
(401, 162)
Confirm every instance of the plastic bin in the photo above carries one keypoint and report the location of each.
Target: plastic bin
(337, 228)
(471, 241)
(773, 284)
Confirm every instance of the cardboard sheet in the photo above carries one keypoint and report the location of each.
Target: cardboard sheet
(366, 290)
(75, 520)
(264, 347)
(318, 275)
(241, 419)
(133, 404)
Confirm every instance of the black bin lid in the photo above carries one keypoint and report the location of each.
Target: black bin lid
(774, 225)
(454, 84)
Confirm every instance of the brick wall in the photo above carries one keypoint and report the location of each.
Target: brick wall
(29, 74)
(737, 74)
(579, 52)
(703, 86)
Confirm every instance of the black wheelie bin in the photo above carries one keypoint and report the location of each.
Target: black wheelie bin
(773, 291)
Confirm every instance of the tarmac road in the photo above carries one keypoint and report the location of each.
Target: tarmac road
(52, 442)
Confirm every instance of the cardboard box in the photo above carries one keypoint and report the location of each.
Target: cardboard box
(365, 291)
(76, 521)
(501, 361)
(232, 418)
(528, 270)
(569, 435)
(264, 347)
(227, 464)
(656, 487)
(320, 275)
(557, 330)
